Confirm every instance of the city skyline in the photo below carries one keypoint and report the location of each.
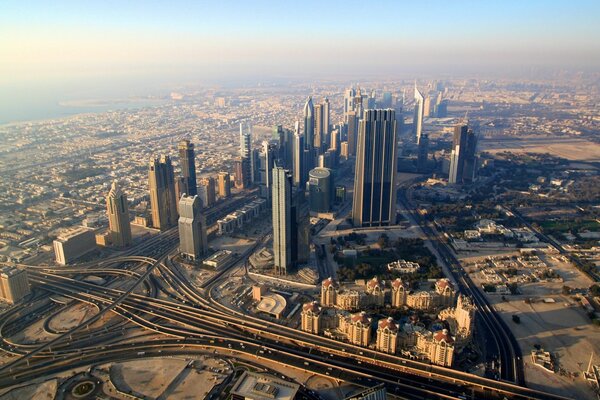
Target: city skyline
(76, 51)
(300, 201)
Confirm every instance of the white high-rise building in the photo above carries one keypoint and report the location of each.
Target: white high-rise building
(118, 217)
(192, 228)
(419, 112)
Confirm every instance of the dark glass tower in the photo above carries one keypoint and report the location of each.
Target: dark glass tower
(188, 166)
(375, 176)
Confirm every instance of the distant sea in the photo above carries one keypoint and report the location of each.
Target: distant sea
(20, 103)
(40, 110)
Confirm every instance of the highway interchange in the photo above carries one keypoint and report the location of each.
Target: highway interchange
(161, 313)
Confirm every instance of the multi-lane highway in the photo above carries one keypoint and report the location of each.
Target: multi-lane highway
(162, 313)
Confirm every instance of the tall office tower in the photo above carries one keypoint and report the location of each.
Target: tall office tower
(319, 132)
(162, 193)
(282, 220)
(180, 187)
(375, 175)
(299, 162)
(422, 154)
(358, 103)
(457, 155)
(267, 157)
(386, 102)
(427, 107)
(470, 167)
(352, 131)
(192, 228)
(349, 96)
(287, 150)
(326, 122)
(224, 184)
(238, 173)
(255, 166)
(335, 139)
(14, 284)
(279, 137)
(370, 101)
(300, 227)
(418, 116)
(441, 110)
(320, 190)
(246, 154)
(245, 139)
(188, 166)
(208, 193)
(438, 99)
(117, 210)
(309, 123)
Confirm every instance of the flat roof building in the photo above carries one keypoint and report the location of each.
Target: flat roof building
(14, 284)
(255, 386)
(73, 244)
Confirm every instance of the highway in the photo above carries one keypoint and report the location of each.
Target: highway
(162, 313)
(511, 363)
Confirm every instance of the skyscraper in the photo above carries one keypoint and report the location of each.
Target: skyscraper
(418, 116)
(422, 154)
(352, 130)
(320, 190)
(462, 156)
(224, 184)
(326, 122)
(246, 154)
(457, 154)
(117, 211)
(318, 143)
(192, 228)
(245, 139)
(208, 193)
(282, 220)
(309, 131)
(299, 159)
(375, 176)
(470, 167)
(349, 96)
(188, 166)
(267, 157)
(162, 193)
(300, 227)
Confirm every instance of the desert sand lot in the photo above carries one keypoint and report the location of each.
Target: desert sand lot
(574, 149)
(560, 328)
(168, 377)
(44, 390)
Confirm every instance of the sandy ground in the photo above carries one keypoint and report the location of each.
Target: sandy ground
(170, 378)
(38, 391)
(146, 377)
(561, 328)
(71, 317)
(565, 331)
(575, 149)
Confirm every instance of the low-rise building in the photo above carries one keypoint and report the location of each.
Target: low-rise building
(256, 386)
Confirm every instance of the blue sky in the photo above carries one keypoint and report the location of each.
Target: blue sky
(50, 41)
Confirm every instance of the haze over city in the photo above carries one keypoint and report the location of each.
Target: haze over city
(69, 50)
(307, 200)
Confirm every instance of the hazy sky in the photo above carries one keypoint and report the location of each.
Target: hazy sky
(46, 42)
